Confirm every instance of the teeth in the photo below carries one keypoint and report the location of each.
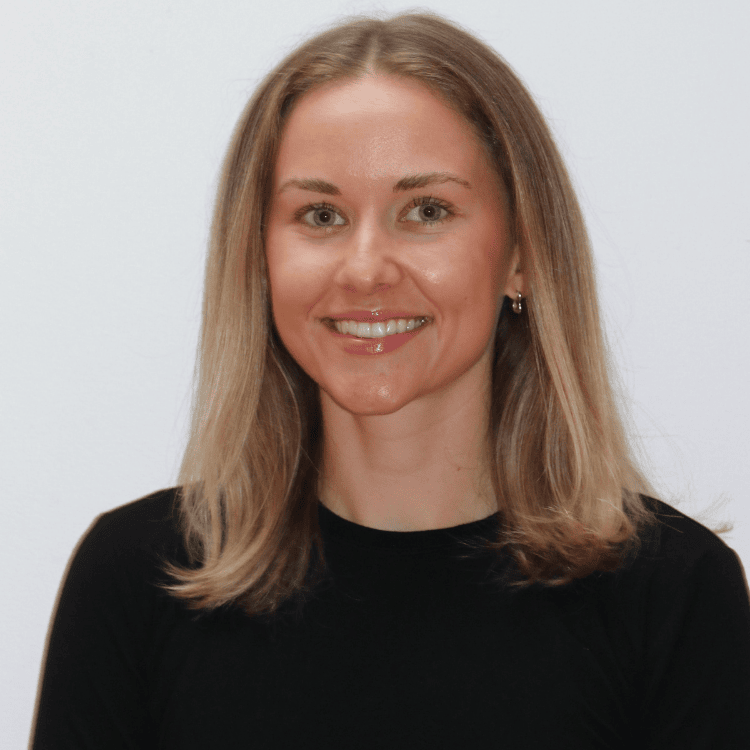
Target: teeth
(378, 330)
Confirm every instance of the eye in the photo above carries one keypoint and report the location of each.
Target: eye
(428, 211)
(319, 216)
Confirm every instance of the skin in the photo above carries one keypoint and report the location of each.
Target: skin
(402, 439)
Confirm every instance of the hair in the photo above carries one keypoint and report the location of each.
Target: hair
(571, 495)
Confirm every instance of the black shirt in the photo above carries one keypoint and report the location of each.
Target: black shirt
(408, 646)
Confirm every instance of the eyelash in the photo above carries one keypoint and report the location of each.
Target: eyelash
(421, 201)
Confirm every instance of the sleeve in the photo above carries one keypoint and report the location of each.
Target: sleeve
(94, 689)
(697, 656)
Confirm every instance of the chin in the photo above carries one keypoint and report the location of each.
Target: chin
(370, 402)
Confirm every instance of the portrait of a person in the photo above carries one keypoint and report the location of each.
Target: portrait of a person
(408, 514)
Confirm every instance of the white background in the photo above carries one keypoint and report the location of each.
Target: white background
(114, 119)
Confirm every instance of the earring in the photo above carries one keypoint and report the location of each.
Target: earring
(517, 307)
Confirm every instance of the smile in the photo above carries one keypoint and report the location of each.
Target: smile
(376, 330)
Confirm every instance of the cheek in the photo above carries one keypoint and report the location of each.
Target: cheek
(473, 279)
(296, 278)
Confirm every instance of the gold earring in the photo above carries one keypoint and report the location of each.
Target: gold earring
(517, 307)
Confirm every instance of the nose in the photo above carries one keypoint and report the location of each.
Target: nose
(368, 261)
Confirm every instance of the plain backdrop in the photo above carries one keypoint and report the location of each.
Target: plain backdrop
(115, 116)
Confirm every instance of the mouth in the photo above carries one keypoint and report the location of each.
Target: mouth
(377, 329)
(378, 340)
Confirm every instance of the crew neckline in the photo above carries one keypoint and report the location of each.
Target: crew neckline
(334, 526)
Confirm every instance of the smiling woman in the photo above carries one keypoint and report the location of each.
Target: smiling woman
(408, 513)
(387, 251)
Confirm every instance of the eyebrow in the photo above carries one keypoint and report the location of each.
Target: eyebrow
(410, 182)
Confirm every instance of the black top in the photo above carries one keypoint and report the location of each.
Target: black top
(409, 646)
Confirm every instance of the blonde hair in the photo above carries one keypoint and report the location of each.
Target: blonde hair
(572, 497)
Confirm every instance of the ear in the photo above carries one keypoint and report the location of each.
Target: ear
(515, 281)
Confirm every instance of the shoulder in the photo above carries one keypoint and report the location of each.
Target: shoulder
(149, 522)
(683, 568)
(679, 543)
(131, 543)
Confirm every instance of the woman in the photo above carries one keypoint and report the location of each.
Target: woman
(408, 514)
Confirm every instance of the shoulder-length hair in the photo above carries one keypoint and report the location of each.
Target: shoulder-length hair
(571, 495)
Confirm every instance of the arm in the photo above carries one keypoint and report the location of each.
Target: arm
(94, 692)
(697, 685)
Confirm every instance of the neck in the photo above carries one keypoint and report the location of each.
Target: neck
(422, 467)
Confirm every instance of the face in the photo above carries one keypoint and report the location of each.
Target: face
(384, 201)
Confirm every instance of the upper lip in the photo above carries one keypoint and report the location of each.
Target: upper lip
(373, 316)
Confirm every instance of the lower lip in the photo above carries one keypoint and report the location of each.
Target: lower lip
(356, 345)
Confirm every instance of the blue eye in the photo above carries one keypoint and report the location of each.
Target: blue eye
(323, 216)
(425, 211)
(428, 211)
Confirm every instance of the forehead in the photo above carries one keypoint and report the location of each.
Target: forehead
(377, 128)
